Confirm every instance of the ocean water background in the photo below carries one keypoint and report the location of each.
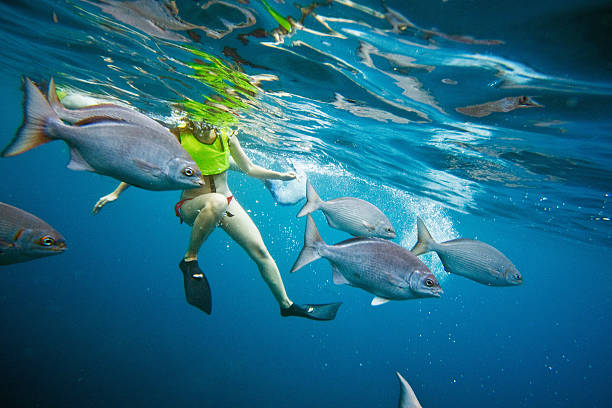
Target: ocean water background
(362, 97)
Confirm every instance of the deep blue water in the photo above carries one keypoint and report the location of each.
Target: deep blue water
(364, 111)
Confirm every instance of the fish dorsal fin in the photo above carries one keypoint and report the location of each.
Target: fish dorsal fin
(377, 301)
(338, 277)
(97, 119)
(407, 397)
(77, 162)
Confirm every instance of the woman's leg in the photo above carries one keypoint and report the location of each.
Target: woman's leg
(203, 214)
(241, 229)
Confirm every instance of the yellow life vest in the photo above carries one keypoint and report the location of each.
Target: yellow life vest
(211, 158)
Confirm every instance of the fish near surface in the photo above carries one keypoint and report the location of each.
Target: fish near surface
(144, 157)
(375, 265)
(353, 215)
(469, 258)
(407, 397)
(507, 104)
(24, 237)
(100, 112)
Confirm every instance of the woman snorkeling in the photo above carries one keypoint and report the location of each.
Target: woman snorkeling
(213, 204)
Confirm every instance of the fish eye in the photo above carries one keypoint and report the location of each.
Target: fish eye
(429, 283)
(47, 240)
(188, 171)
(517, 276)
(389, 229)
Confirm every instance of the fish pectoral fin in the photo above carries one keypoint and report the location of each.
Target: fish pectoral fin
(148, 167)
(77, 162)
(368, 226)
(338, 277)
(330, 221)
(377, 301)
(6, 244)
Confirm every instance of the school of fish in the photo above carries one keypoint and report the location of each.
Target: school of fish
(129, 146)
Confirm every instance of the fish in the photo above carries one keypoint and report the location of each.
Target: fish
(407, 397)
(144, 157)
(502, 105)
(99, 112)
(353, 215)
(378, 266)
(24, 237)
(470, 258)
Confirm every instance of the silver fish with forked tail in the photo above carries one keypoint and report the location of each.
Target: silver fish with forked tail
(24, 237)
(407, 397)
(375, 265)
(349, 214)
(470, 258)
(144, 157)
(99, 112)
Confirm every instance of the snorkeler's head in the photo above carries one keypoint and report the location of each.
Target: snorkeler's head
(202, 131)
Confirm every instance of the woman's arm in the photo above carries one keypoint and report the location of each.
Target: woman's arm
(253, 170)
(109, 197)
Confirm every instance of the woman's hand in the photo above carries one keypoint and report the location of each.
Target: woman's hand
(290, 175)
(109, 198)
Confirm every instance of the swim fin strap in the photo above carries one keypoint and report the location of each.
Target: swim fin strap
(315, 312)
(197, 289)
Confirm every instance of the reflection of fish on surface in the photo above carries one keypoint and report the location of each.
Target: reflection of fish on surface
(507, 104)
(160, 18)
(24, 237)
(378, 266)
(407, 397)
(469, 258)
(144, 157)
(353, 215)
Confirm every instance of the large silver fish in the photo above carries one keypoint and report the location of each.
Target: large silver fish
(407, 397)
(375, 265)
(353, 215)
(24, 236)
(144, 157)
(100, 112)
(470, 258)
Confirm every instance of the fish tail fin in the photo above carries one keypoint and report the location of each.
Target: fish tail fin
(313, 201)
(32, 133)
(312, 243)
(424, 240)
